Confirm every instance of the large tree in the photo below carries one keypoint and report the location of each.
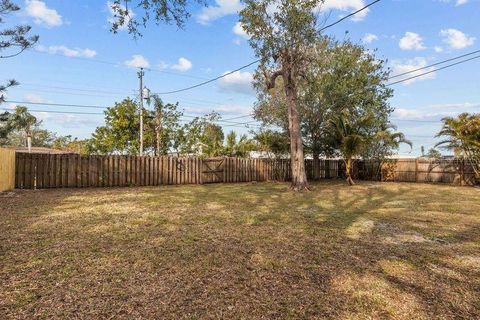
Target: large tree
(282, 34)
(342, 76)
(120, 134)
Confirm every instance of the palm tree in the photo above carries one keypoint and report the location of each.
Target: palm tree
(462, 136)
(349, 139)
(352, 138)
(392, 139)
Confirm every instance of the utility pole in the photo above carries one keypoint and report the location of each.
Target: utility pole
(140, 76)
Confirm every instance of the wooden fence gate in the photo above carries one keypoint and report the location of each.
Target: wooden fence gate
(213, 170)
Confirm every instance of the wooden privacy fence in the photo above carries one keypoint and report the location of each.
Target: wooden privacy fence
(62, 171)
(7, 169)
(416, 170)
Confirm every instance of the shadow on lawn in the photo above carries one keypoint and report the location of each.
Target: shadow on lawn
(234, 251)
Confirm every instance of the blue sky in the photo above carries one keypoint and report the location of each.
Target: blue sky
(79, 61)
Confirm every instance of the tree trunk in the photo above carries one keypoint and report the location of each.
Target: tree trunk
(158, 132)
(348, 171)
(299, 176)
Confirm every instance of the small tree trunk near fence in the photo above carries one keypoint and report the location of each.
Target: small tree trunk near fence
(348, 171)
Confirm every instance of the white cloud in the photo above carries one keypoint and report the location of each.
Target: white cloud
(112, 19)
(438, 49)
(163, 65)
(239, 82)
(457, 2)
(411, 41)
(456, 39)
(347, 5)
(413, 64)
(41, 14)
(238, 30)
(435, 111)
(369, 38)
(183, 65)
(137, 61)
(220, 9)
(68, 52)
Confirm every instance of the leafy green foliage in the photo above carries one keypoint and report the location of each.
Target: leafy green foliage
(121, 132)
(282, 34)
(18, 126)
(351, 137)
(273, 143)
(240, 147)
(462, 136)
(165, 125)
(342, 76)
(202, 136)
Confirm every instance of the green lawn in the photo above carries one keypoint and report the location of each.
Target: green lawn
(245, 251)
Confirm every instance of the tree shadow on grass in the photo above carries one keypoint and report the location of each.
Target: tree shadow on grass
(231, 251)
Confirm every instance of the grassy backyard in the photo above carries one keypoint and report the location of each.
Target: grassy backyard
(245, 251)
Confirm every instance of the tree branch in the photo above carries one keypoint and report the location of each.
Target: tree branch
(271, 78)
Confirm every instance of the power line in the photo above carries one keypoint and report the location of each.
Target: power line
(211, 102)
(211, 80)
(258, 60)
(67, 88)
(77, 94)
(60, 112)
(349, 15)
(390, 84)
(56, 104)
(251, 123)
(432, 71)
(435, 64)
(118, 64)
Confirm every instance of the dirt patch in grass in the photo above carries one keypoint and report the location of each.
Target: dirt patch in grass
(246, 251)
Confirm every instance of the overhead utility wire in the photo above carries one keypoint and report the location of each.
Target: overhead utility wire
(60, 112)
(211, 80)
(435, 64)
(390, 84)
(211, 102)
(432, 71)
(349, 15)
(258, 60)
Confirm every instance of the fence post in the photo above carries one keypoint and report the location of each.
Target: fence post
(416, 170)
(200, 169)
